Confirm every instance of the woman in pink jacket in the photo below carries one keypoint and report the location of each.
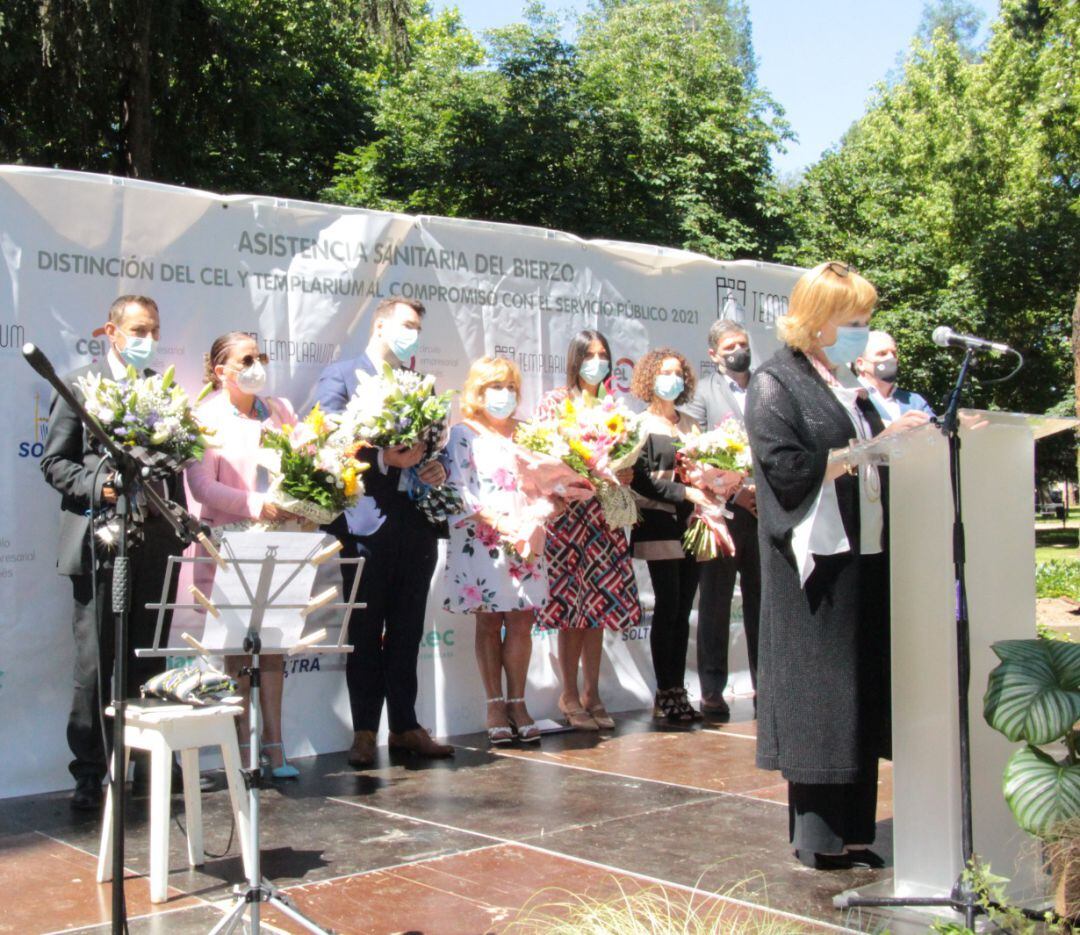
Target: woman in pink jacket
(229, 486)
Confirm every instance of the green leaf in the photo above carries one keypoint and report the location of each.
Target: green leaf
(1034, 694)
(1041, 792)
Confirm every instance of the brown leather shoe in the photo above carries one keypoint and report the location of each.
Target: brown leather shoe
(420, 742)
(362, 751)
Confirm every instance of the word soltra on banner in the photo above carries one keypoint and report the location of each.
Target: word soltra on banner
(304, 279)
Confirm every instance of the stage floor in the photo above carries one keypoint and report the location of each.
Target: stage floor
(470, 845)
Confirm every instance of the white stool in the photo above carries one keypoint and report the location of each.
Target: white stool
(163, 730)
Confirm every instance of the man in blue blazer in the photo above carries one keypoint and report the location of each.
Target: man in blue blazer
(399, 547)
(877, 369)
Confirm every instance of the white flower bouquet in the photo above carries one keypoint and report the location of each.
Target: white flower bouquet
(714, 462)
(152, 413)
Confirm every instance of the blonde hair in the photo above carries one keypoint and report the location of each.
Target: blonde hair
(482, 374)
(826, 292)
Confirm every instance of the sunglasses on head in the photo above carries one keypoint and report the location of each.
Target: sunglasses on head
(249, 359)
(841, 269)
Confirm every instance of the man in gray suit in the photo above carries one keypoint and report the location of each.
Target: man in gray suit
(720, 396)
(70, 465)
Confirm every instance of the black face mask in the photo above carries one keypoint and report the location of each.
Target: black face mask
(737, 361)
(886, 369)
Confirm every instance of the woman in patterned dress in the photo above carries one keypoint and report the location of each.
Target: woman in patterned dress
(495, 559)
(590, 575)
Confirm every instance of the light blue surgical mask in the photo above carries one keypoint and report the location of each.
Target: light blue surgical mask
(593, 370)
(668, 386)
(403, 341)
(849, 344)
(138, 351)
(500, 403)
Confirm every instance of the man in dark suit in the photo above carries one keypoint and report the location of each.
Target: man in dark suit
(720, 396)
(70, 466)
(399, 547)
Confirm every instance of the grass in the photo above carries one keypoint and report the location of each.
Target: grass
(649, 911)
(1054, 541)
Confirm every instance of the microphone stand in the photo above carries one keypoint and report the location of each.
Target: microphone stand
(129, 471)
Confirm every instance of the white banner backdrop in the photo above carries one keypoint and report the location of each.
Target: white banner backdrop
(305, 278)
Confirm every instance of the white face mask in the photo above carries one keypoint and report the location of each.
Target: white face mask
(500, 403)
(252, 379)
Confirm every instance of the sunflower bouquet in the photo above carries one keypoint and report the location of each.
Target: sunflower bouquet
(714, 462)
(597, 438)
(318, 475)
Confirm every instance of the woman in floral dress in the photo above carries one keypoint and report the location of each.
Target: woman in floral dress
(590, 574)
(495, 558)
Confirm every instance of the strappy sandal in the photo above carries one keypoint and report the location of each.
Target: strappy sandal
(501, 733)
(599, 714)
(526, 733)
(286, 770)
(578, 717)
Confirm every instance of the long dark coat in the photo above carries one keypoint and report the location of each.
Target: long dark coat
(823, 657)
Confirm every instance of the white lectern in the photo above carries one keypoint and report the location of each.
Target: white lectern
(997, 471)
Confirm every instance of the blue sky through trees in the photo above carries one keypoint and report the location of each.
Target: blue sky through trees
(818, 58)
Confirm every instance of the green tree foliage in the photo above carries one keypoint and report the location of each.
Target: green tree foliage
(956, 193)
(958, 18)
(222, 94)
(535, 130)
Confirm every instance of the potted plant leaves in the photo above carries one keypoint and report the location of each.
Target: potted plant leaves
(1033, 696)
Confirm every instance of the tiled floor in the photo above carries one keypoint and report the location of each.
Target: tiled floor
(487, 842)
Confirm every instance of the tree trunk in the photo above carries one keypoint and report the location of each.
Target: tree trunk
(136, 105)
(1076, 367)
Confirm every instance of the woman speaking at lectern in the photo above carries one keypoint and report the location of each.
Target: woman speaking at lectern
(823, 669)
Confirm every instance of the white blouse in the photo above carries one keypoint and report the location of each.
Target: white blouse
(821, 531)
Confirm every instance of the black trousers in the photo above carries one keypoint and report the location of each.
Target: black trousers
(674, 583)
(714, 606)
(399, 561)
(94, 638)
(823, 818)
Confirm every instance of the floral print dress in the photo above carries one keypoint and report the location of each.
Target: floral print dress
(483, 575)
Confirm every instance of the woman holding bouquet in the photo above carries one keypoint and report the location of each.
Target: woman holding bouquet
(229, 486)
(590, 575)
(823, 661)
(495, 558)
(664, 379)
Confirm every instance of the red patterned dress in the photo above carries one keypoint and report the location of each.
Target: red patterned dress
(590, 575)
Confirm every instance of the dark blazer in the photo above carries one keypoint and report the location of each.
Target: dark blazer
(661, 498)
(712, 403)
(823, 653)
(68, 464)
(336, 386)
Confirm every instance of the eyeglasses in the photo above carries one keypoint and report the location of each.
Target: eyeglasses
(249, 359)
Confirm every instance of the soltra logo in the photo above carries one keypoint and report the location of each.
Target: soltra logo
(35, 447)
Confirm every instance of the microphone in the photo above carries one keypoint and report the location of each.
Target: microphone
(36, 359)
(944, 336)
